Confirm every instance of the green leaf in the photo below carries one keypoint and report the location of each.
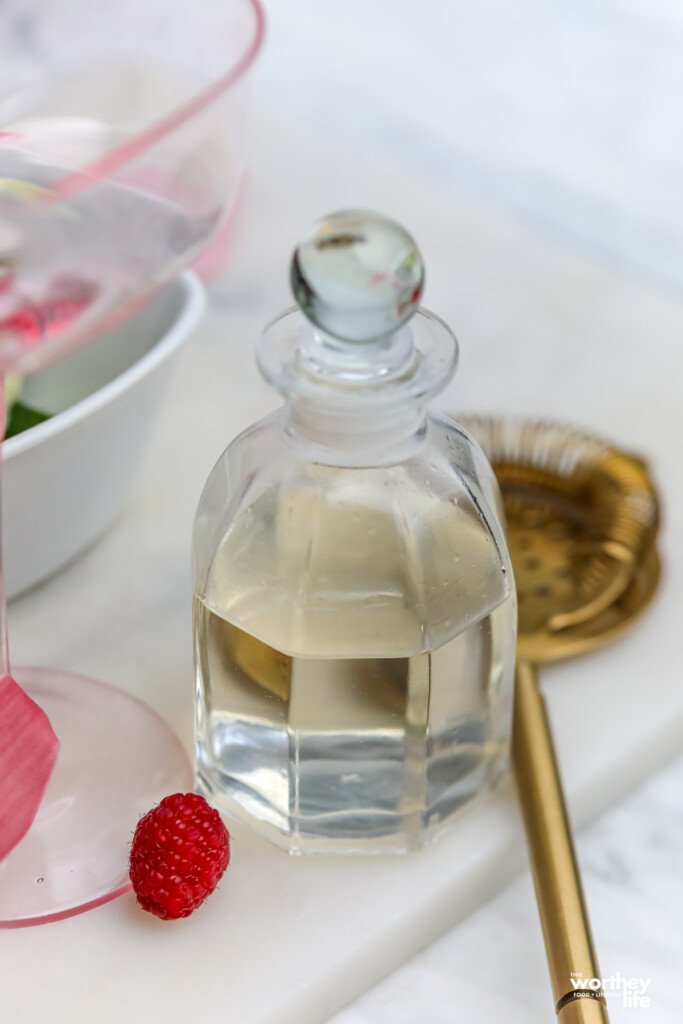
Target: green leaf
(23, 417)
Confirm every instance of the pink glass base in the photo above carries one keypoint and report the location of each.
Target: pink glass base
(117, 759)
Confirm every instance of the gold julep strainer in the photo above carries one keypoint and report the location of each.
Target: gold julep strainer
(582, 520)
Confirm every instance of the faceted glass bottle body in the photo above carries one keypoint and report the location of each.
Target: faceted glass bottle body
(354, 639)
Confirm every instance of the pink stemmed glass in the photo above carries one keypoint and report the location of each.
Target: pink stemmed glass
(121, 157)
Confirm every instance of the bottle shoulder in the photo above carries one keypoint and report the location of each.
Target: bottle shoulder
(411, 550)
(448, 460)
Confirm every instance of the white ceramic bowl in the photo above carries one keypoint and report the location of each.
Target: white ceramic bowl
(65, 480)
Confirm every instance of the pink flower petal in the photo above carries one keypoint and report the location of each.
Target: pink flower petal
(28, 752)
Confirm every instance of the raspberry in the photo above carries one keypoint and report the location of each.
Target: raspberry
(179, 853)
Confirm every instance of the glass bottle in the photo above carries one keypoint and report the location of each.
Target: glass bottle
(354, 606)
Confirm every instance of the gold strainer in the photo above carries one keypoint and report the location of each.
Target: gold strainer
(582, 521)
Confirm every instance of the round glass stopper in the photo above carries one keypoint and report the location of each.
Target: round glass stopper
(357, 275)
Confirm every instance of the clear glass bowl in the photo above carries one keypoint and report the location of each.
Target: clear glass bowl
(122, 132)
(121, 157)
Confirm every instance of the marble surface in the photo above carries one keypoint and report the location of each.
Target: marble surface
(565, 116)
(559, 117)
(538, 326)
(491, 967)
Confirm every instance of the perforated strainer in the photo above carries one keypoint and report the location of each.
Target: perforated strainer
(582, 519)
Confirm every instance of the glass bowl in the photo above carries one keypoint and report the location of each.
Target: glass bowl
(122, 151)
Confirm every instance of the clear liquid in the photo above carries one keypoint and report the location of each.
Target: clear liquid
(354, 645)
(325, 752)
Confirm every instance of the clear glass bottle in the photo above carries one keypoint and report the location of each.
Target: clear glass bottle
(355, 615)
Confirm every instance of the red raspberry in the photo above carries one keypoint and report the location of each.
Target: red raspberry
(179, 853)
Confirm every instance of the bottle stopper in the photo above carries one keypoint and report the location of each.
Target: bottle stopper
(357, 275)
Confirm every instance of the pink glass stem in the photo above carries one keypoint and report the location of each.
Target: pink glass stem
(4, 641)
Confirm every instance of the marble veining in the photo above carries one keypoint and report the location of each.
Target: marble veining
(492, 966)
(565, 115)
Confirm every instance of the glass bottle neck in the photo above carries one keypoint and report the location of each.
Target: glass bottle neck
(367, 437)
(357, 404)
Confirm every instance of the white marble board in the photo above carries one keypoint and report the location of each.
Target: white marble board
(543, 331)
